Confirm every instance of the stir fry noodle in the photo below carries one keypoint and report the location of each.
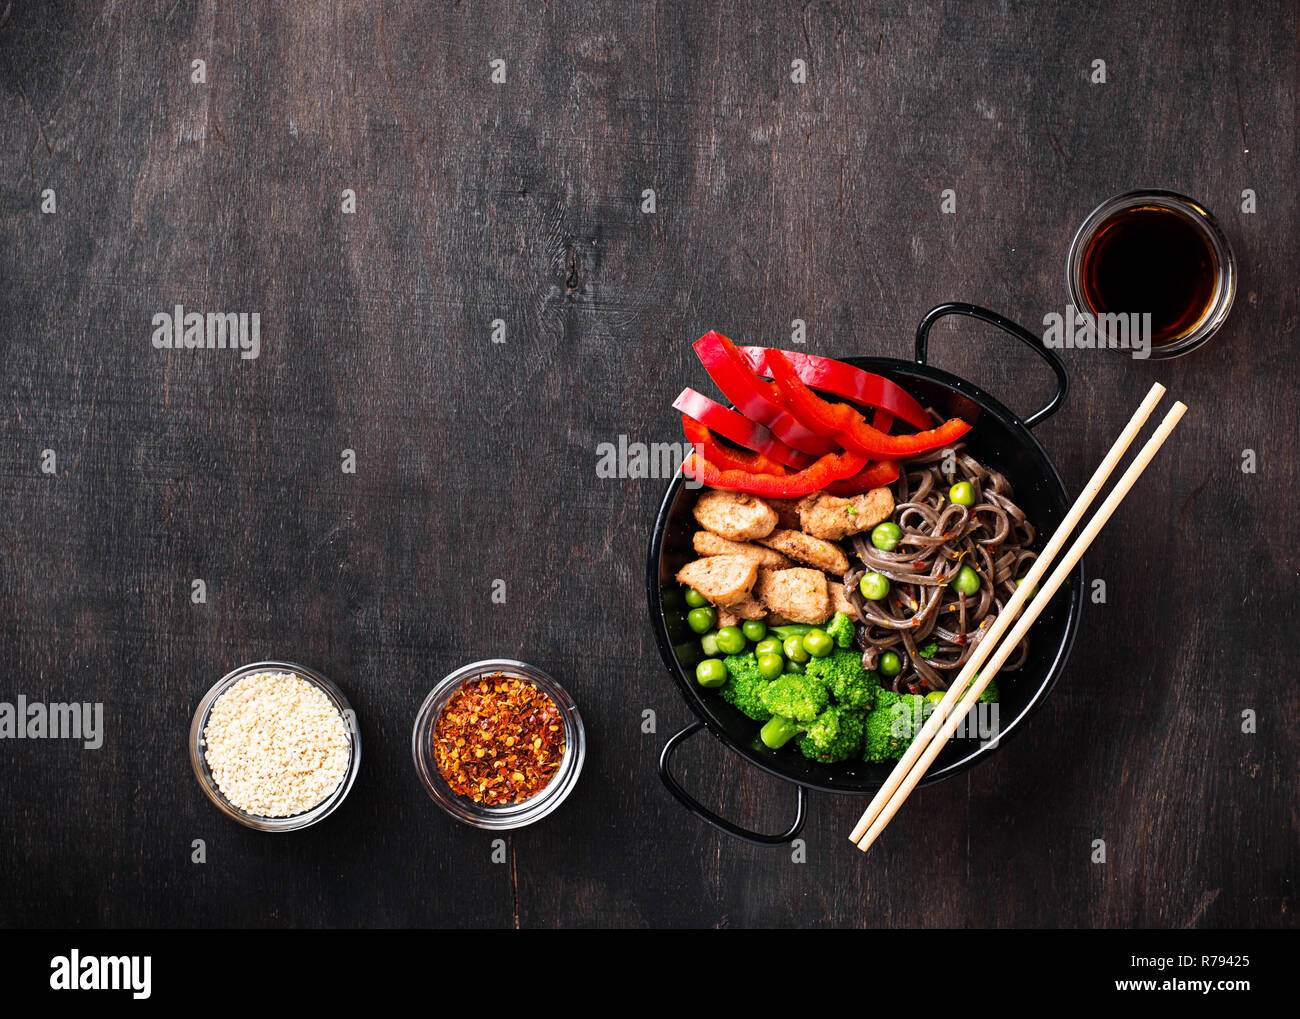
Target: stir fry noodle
(933, 616)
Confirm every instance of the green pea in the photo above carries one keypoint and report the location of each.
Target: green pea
(702, 620)
(754, 629)
(935, 696)
(818, 643)
(874, 586)
(768, 646)
(1033, 591)
(962, 493)
(967, 581)
(709, 642)
(731, 640)
(886, 536)
(694, 599)
(770, 665)
(792, 666)
(711, 672)
(794, 649)
(890, 664)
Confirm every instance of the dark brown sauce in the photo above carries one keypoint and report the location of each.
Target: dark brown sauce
(1151, 260)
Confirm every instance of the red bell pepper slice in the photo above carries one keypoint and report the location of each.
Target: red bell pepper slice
(756, 398)
(829, 468)
(739, 429)
(877, 475)
(845, 381)
(842, 423)
(725, 457)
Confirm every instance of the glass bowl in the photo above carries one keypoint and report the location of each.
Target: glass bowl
(514, 815)
(204, 773)
(1225, 286)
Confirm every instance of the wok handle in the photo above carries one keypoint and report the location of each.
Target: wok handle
(705, 814)
(1035, 343)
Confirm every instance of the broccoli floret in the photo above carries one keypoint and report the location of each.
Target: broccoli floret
(990, 694)
(744, 687)
(742, 666)
(877, 742)
(908, 717)
(891, 725)
(841, 629)
(780, 731)
(836, 735)
(849, 683)
(795, 695)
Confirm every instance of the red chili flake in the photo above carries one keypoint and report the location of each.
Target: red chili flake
(499, 740)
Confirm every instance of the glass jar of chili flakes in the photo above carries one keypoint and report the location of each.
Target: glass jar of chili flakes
(498, 744)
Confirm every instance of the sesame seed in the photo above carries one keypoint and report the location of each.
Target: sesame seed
(276, 744)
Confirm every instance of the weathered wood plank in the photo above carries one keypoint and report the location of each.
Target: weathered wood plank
(520, 202)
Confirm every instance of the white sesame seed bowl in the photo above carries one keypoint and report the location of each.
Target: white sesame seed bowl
(275, 745)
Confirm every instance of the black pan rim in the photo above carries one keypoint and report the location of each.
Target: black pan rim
(988, 404)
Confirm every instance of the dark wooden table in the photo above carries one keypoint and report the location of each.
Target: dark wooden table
(521, 201)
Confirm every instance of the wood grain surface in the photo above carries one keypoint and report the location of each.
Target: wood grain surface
(521, 201)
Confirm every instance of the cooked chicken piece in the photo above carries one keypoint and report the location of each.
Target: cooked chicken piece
(731, 615)
(829, 516)
(798, 594)
(735, 515)
(707, 543)
(723, 579)
(839, 600)
(787, 512)
(806, 549)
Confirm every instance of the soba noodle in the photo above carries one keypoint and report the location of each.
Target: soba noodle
(939, 537)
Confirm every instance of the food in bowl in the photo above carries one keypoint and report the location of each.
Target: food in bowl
(843, 571)
(951, 555)
(499, 740)
(276, 745)
(511, 802)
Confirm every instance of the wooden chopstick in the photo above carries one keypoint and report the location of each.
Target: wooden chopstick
(1005, 647)
(1004, 619)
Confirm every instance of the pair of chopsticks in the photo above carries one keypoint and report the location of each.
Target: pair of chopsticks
(993, 649)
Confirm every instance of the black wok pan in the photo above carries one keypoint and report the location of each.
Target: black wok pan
(1000, 440)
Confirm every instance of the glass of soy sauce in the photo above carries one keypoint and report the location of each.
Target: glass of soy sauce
(1155, 253)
